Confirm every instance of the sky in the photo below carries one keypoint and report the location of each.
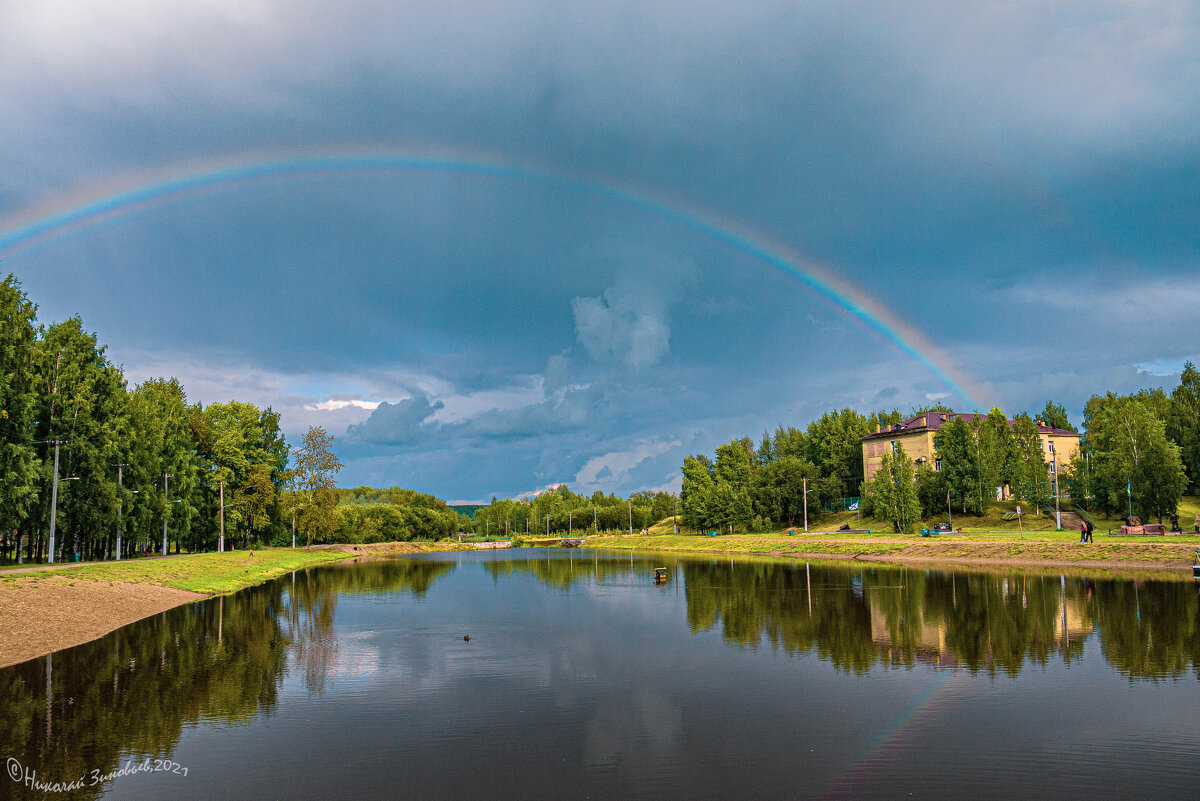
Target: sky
(494, 247)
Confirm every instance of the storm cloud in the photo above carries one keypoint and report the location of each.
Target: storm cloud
(1019, 182)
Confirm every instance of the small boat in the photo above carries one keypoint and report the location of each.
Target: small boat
(660, 575)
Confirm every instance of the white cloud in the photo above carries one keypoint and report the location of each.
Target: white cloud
(335, 405)
(611, 468)
(1163, 367)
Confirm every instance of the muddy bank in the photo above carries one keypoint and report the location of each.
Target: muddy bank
(40, 615)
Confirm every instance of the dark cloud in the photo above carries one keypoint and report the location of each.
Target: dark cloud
(1016, 179)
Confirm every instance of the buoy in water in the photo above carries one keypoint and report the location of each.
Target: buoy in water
(466, 638)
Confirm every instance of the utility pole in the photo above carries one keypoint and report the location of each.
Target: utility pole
(53, 501)
(221, 537)
(570, 524)
(547, 525)
(1057, 510)
(167, 498)
(631, 516)
(805, 480)
(674, 513)
(120, 483)
(595, 519)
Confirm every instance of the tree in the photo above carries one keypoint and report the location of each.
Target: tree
(239, 444)
(1183, 421)
(695, 495)
(1055, 416)
(18, 465)
(997, 452)
(962, 463)
(779, 490)
(1031, 474)
(83, 404)
(894, 491)
(161, 442)
(316, 473)
(833, 446)
(1133, 463)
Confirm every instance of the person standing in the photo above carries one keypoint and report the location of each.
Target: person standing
(1089, 531)
(1082, 532)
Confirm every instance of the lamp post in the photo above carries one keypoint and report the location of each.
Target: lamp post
(54, 494)
(120, 483)
(167, 511)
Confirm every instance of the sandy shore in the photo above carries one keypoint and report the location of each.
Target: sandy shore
(41, 615)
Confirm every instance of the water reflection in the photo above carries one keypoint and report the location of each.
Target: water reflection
(222, 661)
(858, 618)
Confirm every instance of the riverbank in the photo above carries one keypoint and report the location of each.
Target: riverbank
(42, 611)
(972, 550)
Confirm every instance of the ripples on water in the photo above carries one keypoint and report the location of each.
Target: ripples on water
(583, 678)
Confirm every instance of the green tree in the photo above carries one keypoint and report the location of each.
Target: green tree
(959, 451)
(1183, 421)
(18, 401)
(240, 445)
(1133, 462)
(317, 467)
(83, 404)
(1055, 415)
(696, 493)
(160, 444)
(1031, 480)
(834, 447)
(894, 491)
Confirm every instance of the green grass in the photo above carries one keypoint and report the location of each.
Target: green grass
(207, 573)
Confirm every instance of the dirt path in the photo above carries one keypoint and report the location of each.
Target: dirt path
(10, 571)
(39, 615)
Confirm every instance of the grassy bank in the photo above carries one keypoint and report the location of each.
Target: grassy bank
(205, 573)
(1174, 553)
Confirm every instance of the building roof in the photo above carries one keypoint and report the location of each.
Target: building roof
(932, 421)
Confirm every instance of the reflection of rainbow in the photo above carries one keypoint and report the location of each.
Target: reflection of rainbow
(90, 208)
(888, 740)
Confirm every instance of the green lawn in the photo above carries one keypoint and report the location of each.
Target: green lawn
(208, 573)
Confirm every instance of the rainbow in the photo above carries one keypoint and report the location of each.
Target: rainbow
(132, 194)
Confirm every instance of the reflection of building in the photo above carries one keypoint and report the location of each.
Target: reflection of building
(920, 440)
(926, 641)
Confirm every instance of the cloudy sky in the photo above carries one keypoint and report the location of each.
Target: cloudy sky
(497, 246)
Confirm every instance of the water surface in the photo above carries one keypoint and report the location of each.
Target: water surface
(582, 678)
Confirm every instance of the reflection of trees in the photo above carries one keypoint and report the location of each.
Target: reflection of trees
(860, 617)
(382, 575)
(1149, 629)
(222, 659)
(134, 690)
(563, 572)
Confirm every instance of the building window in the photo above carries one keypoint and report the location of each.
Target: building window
(895, 447)
(937, 465)
(1050, 445)
(1052, 470)
(937, 442)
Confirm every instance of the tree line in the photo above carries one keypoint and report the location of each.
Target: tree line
(139, 469)
(561, 511)
(1139, 453)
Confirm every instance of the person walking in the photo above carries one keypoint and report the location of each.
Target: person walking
(1197, 524)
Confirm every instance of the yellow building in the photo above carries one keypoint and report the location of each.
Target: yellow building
(919, 438)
